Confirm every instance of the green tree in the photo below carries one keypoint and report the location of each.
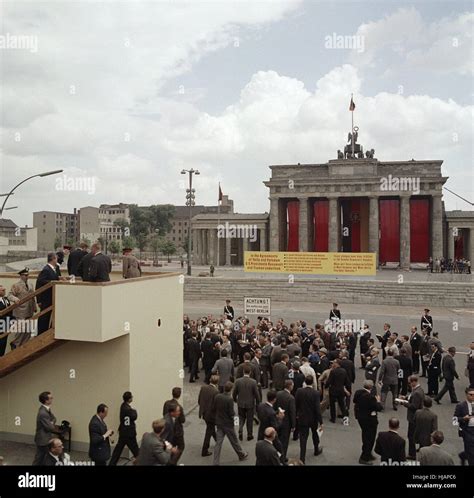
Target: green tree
(168, 248)
(58, 242)
(124, 227)
(114, 247)
(129, 242)
(155, 244)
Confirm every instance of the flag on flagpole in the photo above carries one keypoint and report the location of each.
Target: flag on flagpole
(220, 193)
(352, 106)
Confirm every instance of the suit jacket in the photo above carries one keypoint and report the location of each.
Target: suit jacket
(389, 445)
(173, 431)
(99, 448)
(424, 345)
(19, 291)
(50, 461)
(254, 373)
(84, 267)
(406, 365)
(152, 450)
(206, 403)
(224, 410)
(388, 373)
(245, 392)
(448, 367)
(73, 261)
(337, 380)
(131, 267)
(128, 415)
(308, 409)
(426, 422)
(434, 455)
(279, 374)
(366, 406)
(267, 416)
(224, 367)
(266, 454)
(100, 267)
(349, 367)
(257, 368)
(208, 353)
(465, 431)
(45, 426)
(286, 401)
(415, 402)
(415, 341)
(371, 369)
(47, 274)
(434, 364)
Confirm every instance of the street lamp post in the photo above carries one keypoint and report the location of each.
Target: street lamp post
(48, 173)
(190, 196)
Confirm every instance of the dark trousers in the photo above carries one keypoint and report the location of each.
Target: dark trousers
(304, 433)
(393, 388)
(284, 432)
(210, 432)
(43, 321)
(411, 440)
(193, 369)
(416, 363)
(424, 367)
(246, 416)
(265, 375)
(471, 378)
(130, 442)
(433, 382)
(369, 432)
(448, 386)
(221, 433)
(403, 385)
(208, 373)
(41, 452)
(340, 398)
(3, 344)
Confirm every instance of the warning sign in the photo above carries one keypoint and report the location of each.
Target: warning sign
(257, 306)
(313, 263)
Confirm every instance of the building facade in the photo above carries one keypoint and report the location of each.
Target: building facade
(15, 238)
(55, 227)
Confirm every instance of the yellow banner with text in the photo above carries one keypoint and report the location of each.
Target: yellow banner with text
(314, 263)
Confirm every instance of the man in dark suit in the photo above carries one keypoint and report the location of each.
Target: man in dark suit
(285, 403)
(48, 274)
(206, 412)
(339, 387)
(225, 415)
(268, 417)
(448, 368)
(247, 397)
(406, 369)
(194, 353)
(100, 266)
(208, 356)
(75, 258)
(390, 445)
(4, 319)
(426, 422)
(413, 403)
(127, 429)
(464, 414)
(427, 321)
(46, 427)
(55, 454)
(99, 447)
(280, 373)
(153, 448)
(254, 374)
(366, 406)
(174, 430)
(434, 371)
(308, 415)
(349, 367)
(84, 267)
(265, 450)
(415, 341)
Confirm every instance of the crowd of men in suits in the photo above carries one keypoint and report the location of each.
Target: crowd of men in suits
(309, 370)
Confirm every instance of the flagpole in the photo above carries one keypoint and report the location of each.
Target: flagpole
(218, 224)
(352, 131)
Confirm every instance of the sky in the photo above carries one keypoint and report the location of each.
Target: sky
(123, 95)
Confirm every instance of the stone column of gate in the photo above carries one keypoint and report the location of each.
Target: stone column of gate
(205, 246)
(374, 228)
(471, 246)
(303, 225)
(212, 246)
(199, 247)
(228, 242)
(405, 232)
(263, 239)
(333, 225)
(450, 241)
(245, 247)
(274, 225)
(436, 227)
(195, 255)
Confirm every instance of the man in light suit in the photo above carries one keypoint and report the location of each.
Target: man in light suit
(247, 396)
(388, 378)
(48, 274)
(265, 451)
(224, 368)
(153, 449)
(426, 422)
(434, 454)
(101, 265)
(130, 264)
(99, 447)
(46, 427)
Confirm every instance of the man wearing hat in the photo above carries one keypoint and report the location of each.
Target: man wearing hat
(25, 311)
(131, 265)
(335, 314)
(427, 321)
